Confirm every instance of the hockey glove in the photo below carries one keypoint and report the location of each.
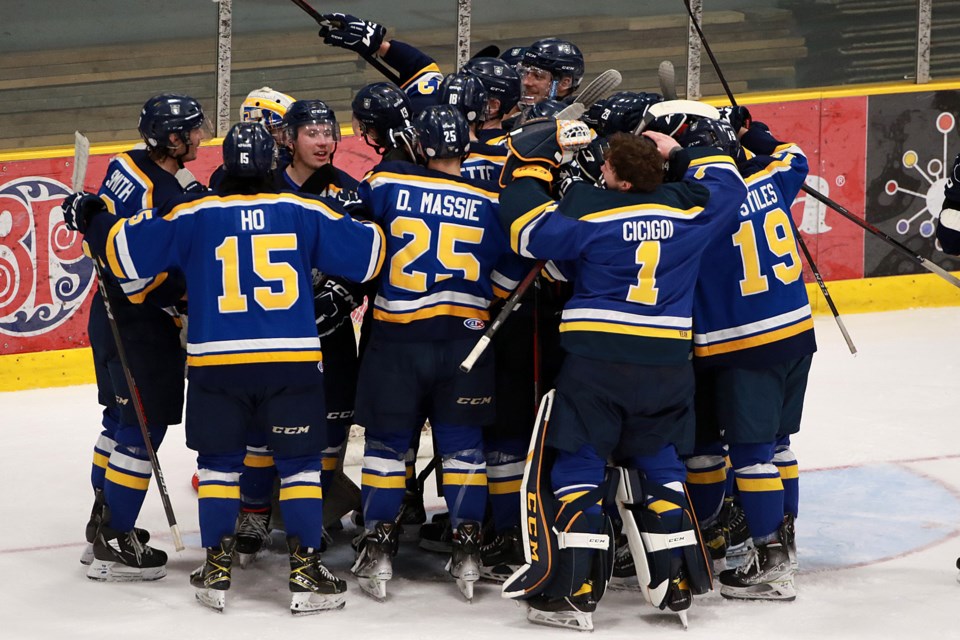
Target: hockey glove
(540, 146)
(350, 32)
(79, 208)
(333, 301)
(737, 117)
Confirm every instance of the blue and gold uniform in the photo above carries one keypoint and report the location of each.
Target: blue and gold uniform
(133, 183)
(253, 352)
(447, 259)
(753, 345)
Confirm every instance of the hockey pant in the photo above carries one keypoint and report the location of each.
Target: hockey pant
(652, 545)
(563, 545)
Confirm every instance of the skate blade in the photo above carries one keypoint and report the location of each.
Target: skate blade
(247, 559)
(498, 573)
(624, 584)
(577, 620)
(308, 603)
(212, 598)
(374, 587)
(683, 619)
(466, 588)
(87, 557)
(108, 571)
(784, 590)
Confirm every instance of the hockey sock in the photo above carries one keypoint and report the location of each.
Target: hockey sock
(505, 464)
(301, 498)
(102, 449)
(786, 461)
(331, 456)
(464, 471)
(574, 474)
(128, 475)
(218, 495)
(256, 481)
(761, 490)
(706, 484)
(383, 481)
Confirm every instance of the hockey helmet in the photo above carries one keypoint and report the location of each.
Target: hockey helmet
(622, 111)
(500, 79)
(266, 106)
(707, 132)
(443, 132)
(249, 150)
(303, 112)
(169, 113)
(466, 92)
(385, 110)
(560, 57)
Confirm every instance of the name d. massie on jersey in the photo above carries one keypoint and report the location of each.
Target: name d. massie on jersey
(120, 185)
(760, 199)
(447, 205)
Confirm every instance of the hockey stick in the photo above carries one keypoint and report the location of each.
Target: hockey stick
(81, 154)
(373, 62)
(670, 107)
(667, 77)
(598, 88)
(906, 251)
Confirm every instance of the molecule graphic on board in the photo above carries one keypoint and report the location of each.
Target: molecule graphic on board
(936, 176)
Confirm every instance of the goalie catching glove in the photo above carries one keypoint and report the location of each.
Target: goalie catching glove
(350, 32)
(540, 146)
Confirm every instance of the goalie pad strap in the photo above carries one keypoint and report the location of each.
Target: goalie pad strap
(661, 541)
(572, 540)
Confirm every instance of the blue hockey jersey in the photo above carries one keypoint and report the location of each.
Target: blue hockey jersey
(247, 260)
(447, 256)
(636, 255)
(751, 307)
(484, 162)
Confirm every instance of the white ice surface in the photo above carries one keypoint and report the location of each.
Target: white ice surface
(880, 515)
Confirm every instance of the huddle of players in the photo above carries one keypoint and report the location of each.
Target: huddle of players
(445, 258)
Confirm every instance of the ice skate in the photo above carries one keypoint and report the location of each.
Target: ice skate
(96, 516)
(679, 598)
(503, 556)
(569, 612)
(374, 564)
(734, 522)
(715, 540)
(212, 579)
(464, 563)
(413, 509)
(624, 575)
(790, 540)
(765, 575)
(119, 556)
(253, 535)
(437, 535)
(313, 587)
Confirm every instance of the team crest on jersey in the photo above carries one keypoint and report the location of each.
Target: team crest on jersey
(44, 277)
(474, 323)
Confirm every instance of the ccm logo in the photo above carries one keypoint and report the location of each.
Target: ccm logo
(291, 431)
(475, 401)
(339, 415)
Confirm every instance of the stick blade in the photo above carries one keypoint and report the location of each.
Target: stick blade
(667, 76)
(81, 156)
(600, 87)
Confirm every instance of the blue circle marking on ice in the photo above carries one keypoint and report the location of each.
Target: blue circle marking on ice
(866, 514)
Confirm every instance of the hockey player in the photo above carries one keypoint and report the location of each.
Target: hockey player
(502, 83)
(444, 244)
(753, 345)
(253, 351)
(551, 70)
(145, 309)
(382, 116)
(625, 388)
(468, 94)
(419, 74)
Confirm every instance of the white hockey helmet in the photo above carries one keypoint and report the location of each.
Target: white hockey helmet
(267, 106)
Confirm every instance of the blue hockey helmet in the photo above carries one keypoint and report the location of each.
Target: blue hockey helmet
(169, 113)
(560, 57)
(500, 79)
(707, 132)
(383, 109)
(443, 132)
(541, 110)
(513, 56)
(620, 112)
(466, 92)
(304, 112)
(249, 151)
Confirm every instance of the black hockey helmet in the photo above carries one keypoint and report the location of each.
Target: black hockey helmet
(500, 79)
(621, 112)
(304, 112)
(707, 132)
(384, 109)
(513, 56)
(560, 57)
(541, 110)
(466, 92)
(169, 113)
(443, 132)
(249, 151)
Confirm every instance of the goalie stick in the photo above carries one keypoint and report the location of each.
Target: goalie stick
(81, 156)
(372, 61)
(598, 88)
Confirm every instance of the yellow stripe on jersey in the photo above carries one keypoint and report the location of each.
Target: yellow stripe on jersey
(754, 341)
(759, 484)
(431, 312)
(100, 460)
(625, 329)
(300, 492)
(518, 225)
(777, 165)
(145, 182)
(254, 357)
(224, 491)
(430, 68)
(112, 260)
(789, 471)
(707, 477)
(640, 210)
(411, 178)
(697, 162)
(141, 296)
(116, 476)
